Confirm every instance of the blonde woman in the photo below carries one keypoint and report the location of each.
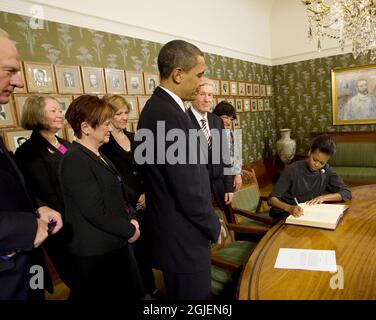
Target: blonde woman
(120, 150)
(39, 158)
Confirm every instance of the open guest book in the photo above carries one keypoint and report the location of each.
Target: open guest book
(326, 216)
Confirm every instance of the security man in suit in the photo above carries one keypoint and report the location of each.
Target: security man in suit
(178, 194)
(23, 222)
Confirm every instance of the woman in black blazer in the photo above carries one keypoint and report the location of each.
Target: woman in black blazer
(38, 158)
(120, 150)
(97, 211)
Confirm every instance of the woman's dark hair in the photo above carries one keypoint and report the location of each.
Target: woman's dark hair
(225, 108)
(90, 109)
(324, 144)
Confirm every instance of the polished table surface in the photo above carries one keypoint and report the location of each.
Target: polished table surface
(354, 242)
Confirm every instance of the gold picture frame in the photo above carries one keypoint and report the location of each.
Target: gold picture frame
(133, 107)
(68, 79)
(151, 81)
(135, 82)
(225, 87)
(40, 77)
(15, 138)
(354, 95)
(93, 80)
(141, 102)
(115, 81)
(7, 116)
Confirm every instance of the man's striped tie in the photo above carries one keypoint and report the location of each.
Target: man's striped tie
(204, 128)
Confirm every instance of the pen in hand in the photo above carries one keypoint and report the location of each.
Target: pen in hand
(299, 208)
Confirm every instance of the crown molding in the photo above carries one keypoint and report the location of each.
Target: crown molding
(83, 20)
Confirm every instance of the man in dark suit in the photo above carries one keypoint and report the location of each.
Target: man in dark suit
(23, 222)
(218, 155)
(178, 194)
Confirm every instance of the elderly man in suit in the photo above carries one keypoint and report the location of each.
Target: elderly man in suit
(178, 194)
(23, 221)
(205, 121)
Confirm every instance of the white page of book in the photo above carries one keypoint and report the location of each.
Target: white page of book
(306, 259)
(320, 212)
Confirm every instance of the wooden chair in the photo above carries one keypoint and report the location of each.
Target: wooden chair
(247, 202)
(229, 257)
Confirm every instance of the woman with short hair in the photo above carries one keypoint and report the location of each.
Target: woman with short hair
(97, 211)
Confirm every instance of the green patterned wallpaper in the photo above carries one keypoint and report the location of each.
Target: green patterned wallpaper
(64, 44)
(301, 91)
(303, 97)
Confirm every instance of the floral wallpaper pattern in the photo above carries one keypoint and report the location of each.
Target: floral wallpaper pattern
(303, 97)
(301, 91)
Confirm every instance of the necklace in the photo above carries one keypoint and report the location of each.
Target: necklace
(56, 143)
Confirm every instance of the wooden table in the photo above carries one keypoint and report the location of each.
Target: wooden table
(354, 241)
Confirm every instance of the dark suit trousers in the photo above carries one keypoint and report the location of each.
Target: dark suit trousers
(188, 286)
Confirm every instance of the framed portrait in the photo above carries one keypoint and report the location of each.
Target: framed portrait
(354, 95)
(68, 79)
(260, 104)
(231, 101)
(269, 90)
(141, 102)
(21, 73)
(225, 87)
(233, 88)
(239, 105)
(134, 125)
(266, 105)
(151, 81)
(19, 100)
(115, 81)
(241, 88)
(249, 89)
(236, 122)
(135, 82)
(253, 105)
(40, 77)
(69, 134)
(7, 116)
(133, 110)
(15, 138)
(216, 87)
(246, 104)
(93, 80)
(220, 99)
(262, 90)
(129, 126)
(256, 89)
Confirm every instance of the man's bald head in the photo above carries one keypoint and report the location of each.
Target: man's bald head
(9, 67)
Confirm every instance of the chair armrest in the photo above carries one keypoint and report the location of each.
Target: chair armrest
(268, 221)
(247, 229)
(225, 264)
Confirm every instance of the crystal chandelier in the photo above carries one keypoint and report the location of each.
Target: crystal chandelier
(345, 20)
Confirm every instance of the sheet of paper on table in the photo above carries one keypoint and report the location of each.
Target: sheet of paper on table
(306, 259)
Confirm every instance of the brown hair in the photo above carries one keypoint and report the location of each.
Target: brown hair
(90, 109)
(33, 115)
(116, 101)
(177, 54)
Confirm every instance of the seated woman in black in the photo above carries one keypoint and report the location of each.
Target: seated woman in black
(120, 150)
(39, 158)
(97, 211)
(312, 181)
